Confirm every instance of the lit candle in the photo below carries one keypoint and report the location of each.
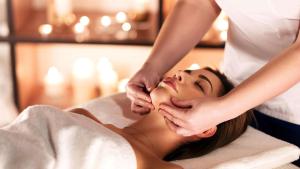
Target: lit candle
(121, 17)
(4, 31)
(105, 21)
(126, 27)
(63, 8)
(140, 5)
(83, 83)
(194, 66)
(84, 20)
(124, 32)
(45, 29)
(223, 35)
(54, 83)
(122, 85)
(107, 77)
(222, 25)
(79, 28)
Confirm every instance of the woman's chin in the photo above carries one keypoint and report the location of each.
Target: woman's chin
(160, 95)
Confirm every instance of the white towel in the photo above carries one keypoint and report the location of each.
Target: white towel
(253, 150)
(44, 137)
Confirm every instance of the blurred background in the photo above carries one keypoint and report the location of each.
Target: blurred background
(67, 52)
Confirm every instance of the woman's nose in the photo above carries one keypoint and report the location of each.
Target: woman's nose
(181, 76)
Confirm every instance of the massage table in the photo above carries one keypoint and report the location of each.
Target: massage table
(253, 150)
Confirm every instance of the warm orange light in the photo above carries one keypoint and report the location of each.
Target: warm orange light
(45, 29)
(126, 26)
(122, 85)
(54, 83)
(121, 17)
(105, 21)
(107, 77)
(84, 20)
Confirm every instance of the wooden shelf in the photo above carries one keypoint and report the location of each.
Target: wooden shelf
(24, 21)
(4, 39)
(28, 32)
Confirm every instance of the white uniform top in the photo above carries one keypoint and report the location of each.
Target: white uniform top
(258, 31)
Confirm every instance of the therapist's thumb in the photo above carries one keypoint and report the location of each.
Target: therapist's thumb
(149, 86)
(182, 103)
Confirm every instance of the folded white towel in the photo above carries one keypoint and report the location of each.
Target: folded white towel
(44, 137)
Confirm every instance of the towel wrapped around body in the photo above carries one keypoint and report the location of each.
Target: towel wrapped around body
(49, 138)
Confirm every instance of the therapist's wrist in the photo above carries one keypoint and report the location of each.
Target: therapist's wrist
(229, 108)
(153, 68)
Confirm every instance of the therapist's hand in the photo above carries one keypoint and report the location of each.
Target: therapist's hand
(138, 89)
(191, 117)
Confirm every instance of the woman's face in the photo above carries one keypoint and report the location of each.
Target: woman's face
(186, 85)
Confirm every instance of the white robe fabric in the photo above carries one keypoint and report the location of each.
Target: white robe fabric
(44, 137)
(258, 32)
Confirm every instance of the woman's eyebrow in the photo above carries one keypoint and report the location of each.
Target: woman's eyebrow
(206, 79)
(187, 71)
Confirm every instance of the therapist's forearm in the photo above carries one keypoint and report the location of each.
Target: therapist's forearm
(273, 79)
(182, 30)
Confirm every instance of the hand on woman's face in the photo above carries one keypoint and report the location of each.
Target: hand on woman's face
(186, 85)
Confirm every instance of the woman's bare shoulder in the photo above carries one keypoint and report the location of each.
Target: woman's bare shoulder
(85, 113)
(168, 165)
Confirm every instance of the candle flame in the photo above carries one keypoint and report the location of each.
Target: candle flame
(105, 21)
(79, 28)
(45, 29)
(126, 26)
(107, 75)
(84, 20)
(54, 76)
(121, 17)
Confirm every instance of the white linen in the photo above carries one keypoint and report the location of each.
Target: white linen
(259, 31)
(253, 150)
(289, 166)
(8, 109)
(44, 137)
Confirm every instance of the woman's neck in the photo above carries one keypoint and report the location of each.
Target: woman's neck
(153, 133)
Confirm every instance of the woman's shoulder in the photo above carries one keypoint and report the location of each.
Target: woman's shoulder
(150, 163)
(165, 165)
(146, 159)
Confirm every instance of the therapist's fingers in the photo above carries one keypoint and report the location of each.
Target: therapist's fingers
(135, 91)
(177, 129)
(143, 103)
(183, 103)
(185, 132)
(173, 119)
(174, 111)
(173, 127)
(139, 109)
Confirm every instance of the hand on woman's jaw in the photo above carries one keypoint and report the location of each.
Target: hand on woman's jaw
(186, 85)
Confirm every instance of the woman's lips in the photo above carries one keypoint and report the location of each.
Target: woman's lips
(170, 82)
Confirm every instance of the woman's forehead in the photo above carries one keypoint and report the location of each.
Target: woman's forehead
(204, 72)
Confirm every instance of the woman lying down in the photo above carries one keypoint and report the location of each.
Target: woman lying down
(46, 137)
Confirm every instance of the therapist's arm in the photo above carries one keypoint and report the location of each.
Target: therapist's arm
(273, 79)
(184, 27)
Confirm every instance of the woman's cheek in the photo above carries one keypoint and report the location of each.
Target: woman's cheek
(160, 95)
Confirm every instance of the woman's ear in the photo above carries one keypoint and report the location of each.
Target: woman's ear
(208, 133)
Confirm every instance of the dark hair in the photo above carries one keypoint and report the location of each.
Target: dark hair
(226, 132)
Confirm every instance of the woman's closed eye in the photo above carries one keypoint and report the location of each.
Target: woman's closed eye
(199, 86)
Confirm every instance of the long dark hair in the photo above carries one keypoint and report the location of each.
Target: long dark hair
(226, 132)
